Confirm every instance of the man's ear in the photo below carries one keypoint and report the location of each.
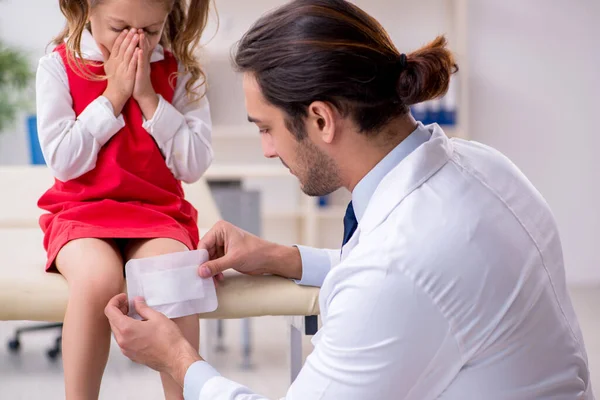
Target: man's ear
(321, 121)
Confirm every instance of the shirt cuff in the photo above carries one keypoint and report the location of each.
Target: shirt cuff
(99, 120)
(165, 122)
(316, 263)
(221, 388)
(195, 378)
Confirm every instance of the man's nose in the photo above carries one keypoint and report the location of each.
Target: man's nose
(268, 148)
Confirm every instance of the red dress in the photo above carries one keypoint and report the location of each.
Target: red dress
(131, 193)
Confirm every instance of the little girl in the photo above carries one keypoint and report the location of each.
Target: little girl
(122, 121)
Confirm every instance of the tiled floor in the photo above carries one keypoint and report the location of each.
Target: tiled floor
(29, 374)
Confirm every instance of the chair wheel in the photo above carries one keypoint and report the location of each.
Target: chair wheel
(53, 354)
(14, 345)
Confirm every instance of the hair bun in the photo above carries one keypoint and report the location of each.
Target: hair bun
(427, 75)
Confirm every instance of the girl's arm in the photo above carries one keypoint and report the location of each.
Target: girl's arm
(183, 133)
(70, 144)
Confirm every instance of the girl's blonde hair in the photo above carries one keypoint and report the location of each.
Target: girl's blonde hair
(183, 29)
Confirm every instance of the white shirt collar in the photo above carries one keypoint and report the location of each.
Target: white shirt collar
(361, 195)
(91, 51)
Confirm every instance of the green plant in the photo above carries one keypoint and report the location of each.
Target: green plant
(15, 77)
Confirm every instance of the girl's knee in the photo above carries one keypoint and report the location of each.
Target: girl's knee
(98, 289)
(93, 268)
(108, 286)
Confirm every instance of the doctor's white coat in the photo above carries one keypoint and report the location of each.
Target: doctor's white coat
(452, 287)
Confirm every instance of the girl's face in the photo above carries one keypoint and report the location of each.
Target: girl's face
(110, 17)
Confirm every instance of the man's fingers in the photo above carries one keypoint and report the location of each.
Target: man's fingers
(214, 238)
(208, 241)
(216, 242)
(144, 310)
(212, 251)
(215, 267)
(218, 278)
(117, 309)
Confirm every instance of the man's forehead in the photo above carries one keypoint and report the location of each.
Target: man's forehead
(259, 109)
(251, 85)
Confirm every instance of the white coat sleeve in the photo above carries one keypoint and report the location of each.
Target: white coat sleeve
(70, 144)
(316, 264)
(383, 338)
(182, 131)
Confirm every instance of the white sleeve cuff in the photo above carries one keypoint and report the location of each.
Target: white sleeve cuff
(195, 378)
(99, 120)
(316, 263)
(165, 122)
(221, 388)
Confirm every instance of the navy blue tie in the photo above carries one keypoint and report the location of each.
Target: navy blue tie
(350, 223)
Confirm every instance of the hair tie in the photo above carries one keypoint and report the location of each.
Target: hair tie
(402, 62)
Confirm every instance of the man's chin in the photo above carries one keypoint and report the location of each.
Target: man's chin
(314, 192)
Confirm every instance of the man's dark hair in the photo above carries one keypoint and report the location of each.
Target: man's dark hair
(332, 51)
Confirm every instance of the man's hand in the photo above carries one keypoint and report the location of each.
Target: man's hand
(230, 247)
(156, 342)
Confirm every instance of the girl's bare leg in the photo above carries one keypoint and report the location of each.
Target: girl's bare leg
(190, 325)
(93, 269)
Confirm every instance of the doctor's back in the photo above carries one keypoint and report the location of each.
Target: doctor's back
(480, 247)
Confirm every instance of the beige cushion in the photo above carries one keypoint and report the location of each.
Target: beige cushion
(27, 292)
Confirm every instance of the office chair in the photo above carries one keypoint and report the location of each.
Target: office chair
(14, 344)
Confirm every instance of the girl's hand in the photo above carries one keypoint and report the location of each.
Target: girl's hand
(120, 66)
(143, 91)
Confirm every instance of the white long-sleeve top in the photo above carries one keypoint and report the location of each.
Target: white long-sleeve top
(71, 143)
(452, 287)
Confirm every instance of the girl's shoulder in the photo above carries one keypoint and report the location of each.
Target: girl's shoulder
(53, 64)
(54, 58)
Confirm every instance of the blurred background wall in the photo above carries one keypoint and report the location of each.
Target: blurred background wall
(530, 82)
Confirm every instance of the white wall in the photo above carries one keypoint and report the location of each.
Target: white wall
(409, 30)
(29, 25)
(534, 91)
(409, 23)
